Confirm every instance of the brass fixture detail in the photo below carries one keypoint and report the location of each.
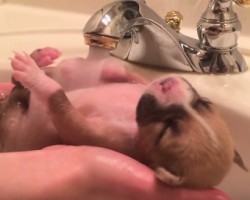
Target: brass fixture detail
(174, 20)
(243, 3)
(101, 41)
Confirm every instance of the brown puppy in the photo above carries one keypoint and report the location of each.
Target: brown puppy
(179, 134)
(185, 138)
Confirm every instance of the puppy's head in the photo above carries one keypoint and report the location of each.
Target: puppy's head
(182, 135)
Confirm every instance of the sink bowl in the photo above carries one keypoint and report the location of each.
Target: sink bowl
(25, 28)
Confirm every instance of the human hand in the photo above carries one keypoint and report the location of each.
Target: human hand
(72, 173)
(5, 89)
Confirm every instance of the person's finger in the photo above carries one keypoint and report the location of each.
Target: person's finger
(120, 176)
(5, 89)
(68, 172)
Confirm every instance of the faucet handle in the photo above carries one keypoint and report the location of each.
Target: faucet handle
(243, 3)
(174, 19)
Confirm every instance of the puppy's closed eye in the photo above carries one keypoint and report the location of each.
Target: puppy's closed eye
(201, 103)
(170, 127)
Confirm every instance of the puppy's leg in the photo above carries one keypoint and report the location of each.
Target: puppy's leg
(45, 56)
(72, 126)
(27, 72)
(114, 71)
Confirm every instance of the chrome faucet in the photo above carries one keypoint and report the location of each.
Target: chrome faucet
(133, 31)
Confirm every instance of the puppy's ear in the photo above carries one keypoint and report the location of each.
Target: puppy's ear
(167, 177)
(239, 161)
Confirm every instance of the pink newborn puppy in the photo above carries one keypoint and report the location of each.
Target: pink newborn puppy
(164, 124)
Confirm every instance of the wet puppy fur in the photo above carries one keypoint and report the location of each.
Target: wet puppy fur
(187, 143)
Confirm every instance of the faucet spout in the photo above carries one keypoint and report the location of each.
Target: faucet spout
(132, 31)
(153, 44)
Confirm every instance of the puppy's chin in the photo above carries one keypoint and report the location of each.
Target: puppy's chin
(184, 140)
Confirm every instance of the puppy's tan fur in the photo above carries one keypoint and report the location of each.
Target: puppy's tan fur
(190, 156)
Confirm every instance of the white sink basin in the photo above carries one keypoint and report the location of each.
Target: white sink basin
(24, 28)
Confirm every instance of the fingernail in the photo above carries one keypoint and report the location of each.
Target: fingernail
(2, 96)
(222, 197)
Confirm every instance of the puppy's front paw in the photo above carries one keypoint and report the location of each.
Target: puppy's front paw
(26, 70)
(45, 56)
(31, 76)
